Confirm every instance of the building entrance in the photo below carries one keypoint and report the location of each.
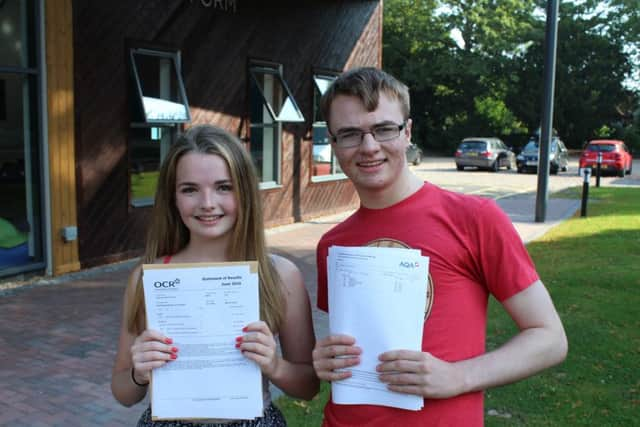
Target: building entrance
(21, 219)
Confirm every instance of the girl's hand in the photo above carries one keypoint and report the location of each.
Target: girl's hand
(151, 350)
(259, 345)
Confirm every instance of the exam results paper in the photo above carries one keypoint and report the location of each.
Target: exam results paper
(203, 308)
(378, 296)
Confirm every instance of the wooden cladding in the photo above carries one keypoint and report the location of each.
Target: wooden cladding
(60, 106)
(216, 47)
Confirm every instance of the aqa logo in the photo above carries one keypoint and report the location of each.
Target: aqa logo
(407, 264)
(167, 284)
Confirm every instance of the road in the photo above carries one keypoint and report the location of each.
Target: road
(442, 171)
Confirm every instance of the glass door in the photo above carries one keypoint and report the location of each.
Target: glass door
(21, 231)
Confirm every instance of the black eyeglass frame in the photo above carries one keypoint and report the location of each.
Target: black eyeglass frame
(400, 126)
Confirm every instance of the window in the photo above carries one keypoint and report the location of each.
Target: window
(473, 145)
(324, 160)
(603, 148)
(161, 106)
(18, 33)
(148, 146)
(159, 86)
(270, 104)
(22, 181)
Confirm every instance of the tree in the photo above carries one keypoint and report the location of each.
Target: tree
(488, 81)
(415, 51)
(457, 89)
(590, 71)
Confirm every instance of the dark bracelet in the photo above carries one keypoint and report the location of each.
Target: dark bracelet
(133, 378)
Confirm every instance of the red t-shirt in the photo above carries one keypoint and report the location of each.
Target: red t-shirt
(473, 251)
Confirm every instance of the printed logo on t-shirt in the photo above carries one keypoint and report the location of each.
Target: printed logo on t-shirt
(392, 243)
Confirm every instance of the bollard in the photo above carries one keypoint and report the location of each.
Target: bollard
(586, 174)
(598, 163)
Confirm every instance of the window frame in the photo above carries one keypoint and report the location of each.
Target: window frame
(318, 121)
(256, 68)
(276, 71)
(169, 127)
(176, 59)
(31, 72)
(173, 132)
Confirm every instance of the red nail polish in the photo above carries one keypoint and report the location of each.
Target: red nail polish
(174, 356)
(245, 329)
(168, 340)
(174, 349)
(237, 345)
(238, 339)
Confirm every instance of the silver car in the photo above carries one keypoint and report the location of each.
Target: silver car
(484, 153)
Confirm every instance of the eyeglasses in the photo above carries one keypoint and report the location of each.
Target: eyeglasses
(381, 133)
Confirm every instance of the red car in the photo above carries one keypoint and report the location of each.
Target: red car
(616, 158)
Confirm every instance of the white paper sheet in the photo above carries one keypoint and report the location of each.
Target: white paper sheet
(378, 296)
(203, 308)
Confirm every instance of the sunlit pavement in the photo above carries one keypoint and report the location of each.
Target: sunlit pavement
(505, 183)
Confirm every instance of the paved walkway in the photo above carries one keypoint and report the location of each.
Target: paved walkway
(58, 337)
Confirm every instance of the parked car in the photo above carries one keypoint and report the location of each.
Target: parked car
(484, 153)
(414, 154)
(616, 157)
(527, 160)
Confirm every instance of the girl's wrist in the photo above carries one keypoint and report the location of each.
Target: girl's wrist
(276, 368)
(133, 378)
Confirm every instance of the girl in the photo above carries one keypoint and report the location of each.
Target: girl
(207, 209)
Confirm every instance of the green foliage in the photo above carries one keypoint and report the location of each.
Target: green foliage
(591, 69)
(631, 136)
(495, 112)
(143, 184)
(604, 132)
(455, 92)
(492, 83)
(300, 413)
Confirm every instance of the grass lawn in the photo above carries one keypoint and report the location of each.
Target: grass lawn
(143, 185)
(591, 267)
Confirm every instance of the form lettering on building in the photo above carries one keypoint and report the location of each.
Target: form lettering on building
(226, 5)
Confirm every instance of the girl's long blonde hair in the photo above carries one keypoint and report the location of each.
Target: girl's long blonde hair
(167, 233)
